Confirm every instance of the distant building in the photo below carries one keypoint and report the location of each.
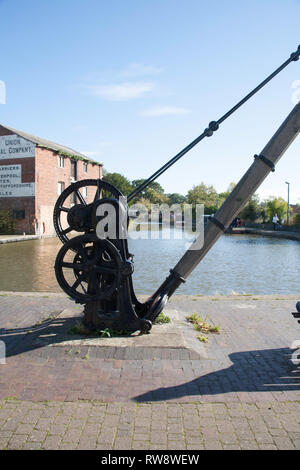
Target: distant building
(33, 172)
(294, 209)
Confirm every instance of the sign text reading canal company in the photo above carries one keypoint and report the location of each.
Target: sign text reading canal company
(13, 146)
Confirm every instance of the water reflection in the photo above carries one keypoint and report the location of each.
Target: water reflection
(240, 263)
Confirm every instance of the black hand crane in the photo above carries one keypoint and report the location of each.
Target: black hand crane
(96, 270)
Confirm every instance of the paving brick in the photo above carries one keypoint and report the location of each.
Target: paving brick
(32, 446)
(86, 443)
(52, 442)
(158, 437)
(42, 424)
(24, 429)
(10, 424)
(106, 437)
(3, 442)
(67, 446)
(122, 444)
(249, 445)
(176, 445)
(226, 401)
(140, 445)
(16, 442)
(283, 443)
(37, 436)
(231, 447)
(57, 429)
(212, 445)
(31, 417)
(267, 447)
(72, 435)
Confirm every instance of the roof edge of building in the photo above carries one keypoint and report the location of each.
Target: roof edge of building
(76, 156)
(47, 144)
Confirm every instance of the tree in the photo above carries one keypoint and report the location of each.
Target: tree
(119, 181)
(223, 196)
(276, 205)
(176, 198)
(296, 219)
(203, 194)
(153, 191)
(252, 210)
(157, 197)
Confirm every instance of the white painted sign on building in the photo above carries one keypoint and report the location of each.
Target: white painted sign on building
(11, 182)
(13, 146)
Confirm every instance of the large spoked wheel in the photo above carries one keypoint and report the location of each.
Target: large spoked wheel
(72, 210)
(92, 272)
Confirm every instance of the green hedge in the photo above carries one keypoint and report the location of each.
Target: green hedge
(296, 219)
(7, 223)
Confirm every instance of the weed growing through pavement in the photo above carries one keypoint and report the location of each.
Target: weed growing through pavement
(162, 318)
(200, 324)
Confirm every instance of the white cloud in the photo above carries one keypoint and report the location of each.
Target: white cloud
(163, 111)
(139, 70)
(121, 92)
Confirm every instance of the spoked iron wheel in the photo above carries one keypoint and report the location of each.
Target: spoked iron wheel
(93, 272)
(72, 210)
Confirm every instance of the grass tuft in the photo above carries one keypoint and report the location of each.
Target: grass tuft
(202, 338)
(200, 324)
(162, 318)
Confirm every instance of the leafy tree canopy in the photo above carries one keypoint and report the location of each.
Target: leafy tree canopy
(176, 198)
(276, 205)
(119, 181)
(202, 194)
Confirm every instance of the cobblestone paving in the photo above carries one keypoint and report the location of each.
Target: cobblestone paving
(80, 425)
(244, 395)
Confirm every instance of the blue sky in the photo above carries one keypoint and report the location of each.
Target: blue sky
(131, 82)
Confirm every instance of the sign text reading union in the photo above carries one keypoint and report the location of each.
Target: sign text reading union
(13, 146)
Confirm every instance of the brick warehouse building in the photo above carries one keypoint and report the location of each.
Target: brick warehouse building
(33, 172)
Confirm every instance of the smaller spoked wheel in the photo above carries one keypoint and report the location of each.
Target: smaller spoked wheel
(88, 268)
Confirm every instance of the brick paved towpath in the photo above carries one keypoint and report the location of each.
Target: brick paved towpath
(238, 391)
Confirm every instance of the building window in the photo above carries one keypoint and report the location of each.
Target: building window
(74, 170)
(85, 191)
(19, 214)
(61, 161)
(85, 167)
(60, 187)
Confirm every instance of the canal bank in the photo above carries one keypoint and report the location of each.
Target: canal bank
(283, 234)
(60, 391)
(17, 238)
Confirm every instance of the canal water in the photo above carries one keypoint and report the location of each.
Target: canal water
(248, 264)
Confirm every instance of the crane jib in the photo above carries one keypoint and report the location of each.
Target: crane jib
(212, 127)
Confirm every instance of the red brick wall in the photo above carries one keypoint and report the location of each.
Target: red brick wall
(44, 170)
(48, 174)
(21, 203)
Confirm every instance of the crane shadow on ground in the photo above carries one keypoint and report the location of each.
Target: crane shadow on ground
(268, 370)
(23, 339)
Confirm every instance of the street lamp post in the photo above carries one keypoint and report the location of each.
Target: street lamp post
(288, 204)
